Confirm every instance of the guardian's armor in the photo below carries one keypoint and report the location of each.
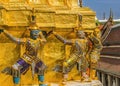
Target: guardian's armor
(77, 53)
(29, 57)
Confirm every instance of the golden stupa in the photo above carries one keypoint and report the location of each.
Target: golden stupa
(58, 15)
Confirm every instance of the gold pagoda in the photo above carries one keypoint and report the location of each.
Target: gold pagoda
(58, 15)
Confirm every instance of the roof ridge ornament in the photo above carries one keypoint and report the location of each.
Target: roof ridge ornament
(111, 14)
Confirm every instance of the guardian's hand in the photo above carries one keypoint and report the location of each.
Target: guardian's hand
(49, 33)
(53, 32)
(1, 30)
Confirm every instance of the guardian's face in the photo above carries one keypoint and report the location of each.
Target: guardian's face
(80, 34)
(34, 34)
(97, 33)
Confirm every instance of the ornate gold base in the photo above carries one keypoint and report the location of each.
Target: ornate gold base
(29, 85)
(75, 83)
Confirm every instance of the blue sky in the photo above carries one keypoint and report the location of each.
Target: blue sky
(101, 6)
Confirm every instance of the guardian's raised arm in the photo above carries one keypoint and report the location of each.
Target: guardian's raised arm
(15, 39)
(42, 37)
(62, 39)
